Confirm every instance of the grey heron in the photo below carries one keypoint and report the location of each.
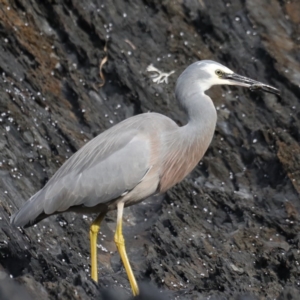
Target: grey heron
(143, 155)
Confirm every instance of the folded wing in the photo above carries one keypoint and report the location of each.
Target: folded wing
(105, 168)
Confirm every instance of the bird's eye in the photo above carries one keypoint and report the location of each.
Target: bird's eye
(219, 73)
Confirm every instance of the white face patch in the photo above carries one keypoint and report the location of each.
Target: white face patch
(214, 79)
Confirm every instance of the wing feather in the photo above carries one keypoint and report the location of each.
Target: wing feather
(108, 166)
(101, 182)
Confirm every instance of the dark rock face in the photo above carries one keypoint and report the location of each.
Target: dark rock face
(228, 231)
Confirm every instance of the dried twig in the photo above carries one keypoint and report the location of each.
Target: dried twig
(102, 63)
(130, 44)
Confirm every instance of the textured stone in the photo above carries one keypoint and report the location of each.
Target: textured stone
(228, 231)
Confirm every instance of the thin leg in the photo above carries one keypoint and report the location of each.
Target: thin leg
(94, 229)
(120, 242)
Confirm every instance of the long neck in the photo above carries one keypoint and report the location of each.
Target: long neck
(193, 139)
(201, 112)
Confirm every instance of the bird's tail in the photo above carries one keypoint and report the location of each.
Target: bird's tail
(31, 212)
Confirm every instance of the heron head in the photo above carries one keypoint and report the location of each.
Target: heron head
(212, 73)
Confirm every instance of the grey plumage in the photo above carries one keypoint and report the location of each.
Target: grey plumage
(109, 165)
(136, 158)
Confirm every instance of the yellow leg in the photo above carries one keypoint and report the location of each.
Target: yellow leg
(120, 242)
(94, 229)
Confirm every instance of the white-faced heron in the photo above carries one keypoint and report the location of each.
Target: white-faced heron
(144, 155)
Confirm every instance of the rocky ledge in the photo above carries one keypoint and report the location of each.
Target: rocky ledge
(71, 69)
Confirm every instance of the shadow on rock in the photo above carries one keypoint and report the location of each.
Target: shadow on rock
(147, 292)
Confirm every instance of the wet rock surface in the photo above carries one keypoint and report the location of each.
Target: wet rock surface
(231, 228)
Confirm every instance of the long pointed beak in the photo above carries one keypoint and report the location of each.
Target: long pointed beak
(252, 84)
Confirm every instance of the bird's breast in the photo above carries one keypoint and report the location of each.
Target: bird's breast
(181, 158)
